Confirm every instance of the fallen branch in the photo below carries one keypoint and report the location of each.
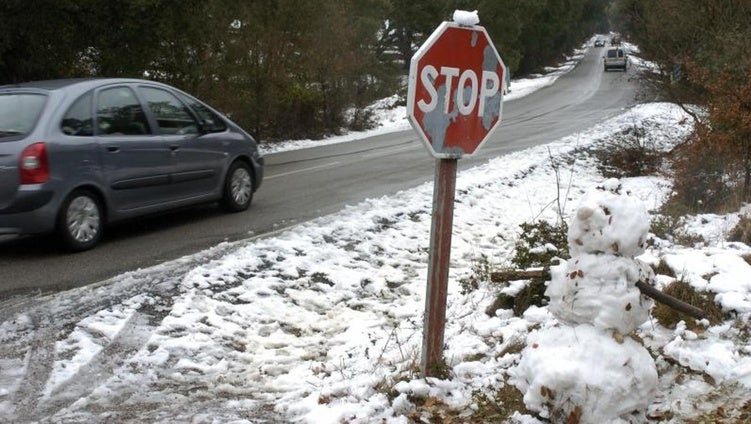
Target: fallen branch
(670, 301)
(644, 288)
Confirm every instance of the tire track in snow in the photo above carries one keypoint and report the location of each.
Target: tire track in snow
(128, 341)
(39, 361)
(63, 311)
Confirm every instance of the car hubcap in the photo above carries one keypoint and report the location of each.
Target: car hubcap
(241, 186)
(83, 219)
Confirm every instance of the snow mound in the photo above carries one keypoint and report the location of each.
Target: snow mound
(584, 375)
(608, 221)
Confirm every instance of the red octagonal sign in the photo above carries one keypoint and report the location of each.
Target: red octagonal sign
(455, 92)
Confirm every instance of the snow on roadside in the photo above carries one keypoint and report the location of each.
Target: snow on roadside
(322, 323)
(324, 320)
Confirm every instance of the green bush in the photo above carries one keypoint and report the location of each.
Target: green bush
(536, 235)
(531, 252)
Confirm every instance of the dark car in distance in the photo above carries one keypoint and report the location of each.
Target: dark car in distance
(78, 154)
(600, 42)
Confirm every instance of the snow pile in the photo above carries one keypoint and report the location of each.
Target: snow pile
(466, 18)
(587, 372)
(583, 375)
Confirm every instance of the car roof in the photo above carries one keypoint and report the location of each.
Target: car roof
(57, 84)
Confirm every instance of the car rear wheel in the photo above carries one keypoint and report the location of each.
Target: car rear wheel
(79, 223)
(238, 188)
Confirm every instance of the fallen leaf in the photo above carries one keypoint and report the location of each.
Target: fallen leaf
(575, 416)
(547, 392)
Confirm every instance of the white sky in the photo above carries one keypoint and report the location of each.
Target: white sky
(322, 323)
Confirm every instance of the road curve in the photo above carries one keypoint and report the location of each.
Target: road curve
(303, 184)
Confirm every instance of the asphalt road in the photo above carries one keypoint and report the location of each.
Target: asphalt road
(304, 184)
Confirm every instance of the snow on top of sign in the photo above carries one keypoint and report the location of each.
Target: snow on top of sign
(464, 17)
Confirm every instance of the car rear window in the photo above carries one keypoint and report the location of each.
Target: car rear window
(611, 53)
(19, 113)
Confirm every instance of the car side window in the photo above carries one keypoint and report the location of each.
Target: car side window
(211, 121)
(118, 112)
(172, 116)
(78, 118)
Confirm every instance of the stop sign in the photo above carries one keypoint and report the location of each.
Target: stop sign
(455, 92)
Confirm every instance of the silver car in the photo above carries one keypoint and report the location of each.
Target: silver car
(615, 57)
(78, 154)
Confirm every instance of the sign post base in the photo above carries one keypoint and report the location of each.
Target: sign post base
(438, 267)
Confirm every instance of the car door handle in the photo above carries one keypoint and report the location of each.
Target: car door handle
(174, 147)
(113, 149)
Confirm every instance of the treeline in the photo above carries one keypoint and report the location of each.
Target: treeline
(281, 68)
(703, 49)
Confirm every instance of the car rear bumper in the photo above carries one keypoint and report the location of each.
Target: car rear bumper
(30, 212)
(615, 65)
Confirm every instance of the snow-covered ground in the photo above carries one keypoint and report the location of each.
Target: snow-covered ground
(322, 323)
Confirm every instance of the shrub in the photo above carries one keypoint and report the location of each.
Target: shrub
(671, 227)
(530, 248)
(481, 271)
(629, 154)
(663, 226)
(539, 243)
(742, 231)
(705, 177)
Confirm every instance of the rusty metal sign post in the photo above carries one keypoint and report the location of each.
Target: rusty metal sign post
(438, 266)
(454, 102)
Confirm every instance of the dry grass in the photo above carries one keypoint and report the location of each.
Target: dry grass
(742, 231)
(681, 290)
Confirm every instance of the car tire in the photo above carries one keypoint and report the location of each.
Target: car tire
(238, 188)
(80, 221)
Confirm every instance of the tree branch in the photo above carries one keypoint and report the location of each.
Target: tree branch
(644, 288)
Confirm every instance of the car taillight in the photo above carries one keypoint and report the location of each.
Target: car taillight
(33, 164)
